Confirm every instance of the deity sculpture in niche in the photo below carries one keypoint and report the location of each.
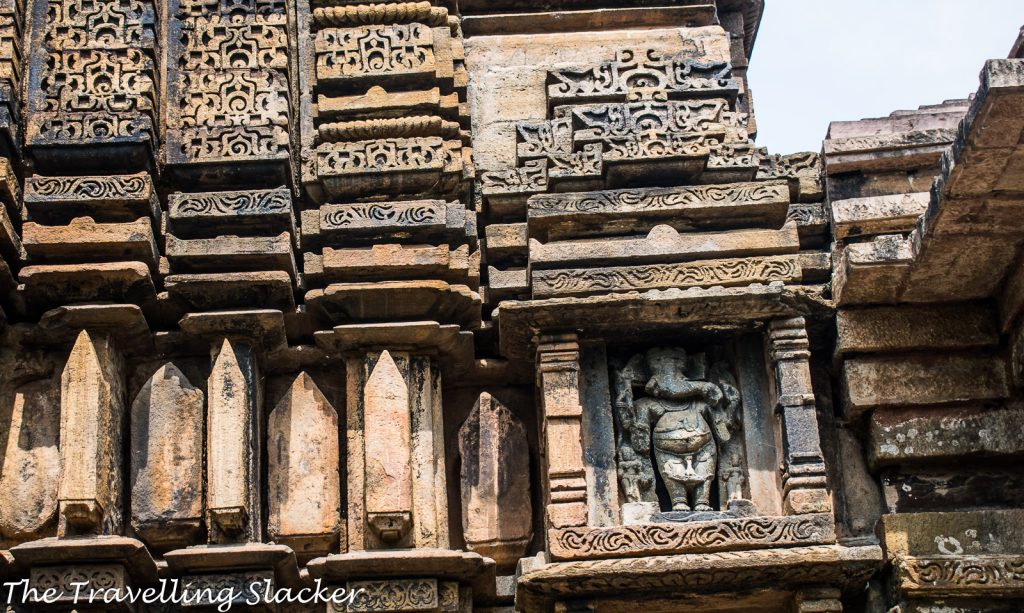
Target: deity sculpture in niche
(683, 427)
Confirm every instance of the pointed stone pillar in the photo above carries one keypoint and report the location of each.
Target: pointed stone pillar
(387, 435)
(167, 422)
(31, 462)
(232, 445)
(497, 519)
(565, 486)
(397, 493)
(303, 463)
(804, 479)
(91, 430)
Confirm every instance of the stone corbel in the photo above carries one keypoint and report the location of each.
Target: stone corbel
(804, 478)
(565, 488)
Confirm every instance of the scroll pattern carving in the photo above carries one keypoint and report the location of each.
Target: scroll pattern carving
(93, 188)
(620, 201)
(64, 578)
(746, 533)
(228, 87)
(234, 203)
(395, 595)
(662, 276)
(639, 107)
(643, 76)
(371, 215)
(961, 574)
(374, 50)
(92, 73)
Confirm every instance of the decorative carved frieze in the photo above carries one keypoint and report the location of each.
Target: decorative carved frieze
(726, 272)
(398, 51)
(641, 76)
(690, 537)
(390, 166)
(208, 591)
(227, 85)
(107, 198)
(961, 575)
(91, 77)
(67, 582)
(206, 213)
(395, 595)
(702, 207)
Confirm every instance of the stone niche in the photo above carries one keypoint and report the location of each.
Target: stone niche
(696, 445)
(689, 432)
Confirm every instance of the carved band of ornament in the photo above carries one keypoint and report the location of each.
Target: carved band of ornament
(375, 215)
(394, 595)
(656, 199)
(740, 271)
(386, 155)
(210, 142)
(57, 127)
(370, 14)
(642, 77)
(782, 166)
(399, 127)
(697, 537)
(805, 214)
(202, 590)
(530, 178)
(64, 578)
(777, 568)
(203, 8)
(232, 203)
(962, 574)
(374, 50)
(88, 188)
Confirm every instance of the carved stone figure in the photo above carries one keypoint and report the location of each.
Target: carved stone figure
(685, 421)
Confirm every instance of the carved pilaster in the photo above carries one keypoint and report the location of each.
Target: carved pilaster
(167, 460)
(565, 487)
(304, 496)
(91, 430)
(232, 456)
(29, 436)
(496, 511)
(804, 465)
(397, 493)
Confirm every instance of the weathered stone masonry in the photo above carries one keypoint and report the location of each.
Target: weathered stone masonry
(495, 305)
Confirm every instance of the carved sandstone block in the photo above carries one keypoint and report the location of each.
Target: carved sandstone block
(207, 214)
(725, 272)
(496, 508)
(304, 491)
(85, 240)
(231, 254)
(915, 328)
(388, 439)
(110, 198)
(91, 430)
(877, 214)
(232, 446)
(31, 462)
(663, 244)
(167, 421)
(921, 379)
(684, 208)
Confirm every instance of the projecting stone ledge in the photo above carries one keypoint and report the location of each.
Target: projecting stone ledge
(775, 569)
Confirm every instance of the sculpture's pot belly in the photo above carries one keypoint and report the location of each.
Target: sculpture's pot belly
(682, 432)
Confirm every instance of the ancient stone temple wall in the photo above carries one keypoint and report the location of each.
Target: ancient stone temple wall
(494, 306)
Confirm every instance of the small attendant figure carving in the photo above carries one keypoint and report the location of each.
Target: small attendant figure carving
(688, 415)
